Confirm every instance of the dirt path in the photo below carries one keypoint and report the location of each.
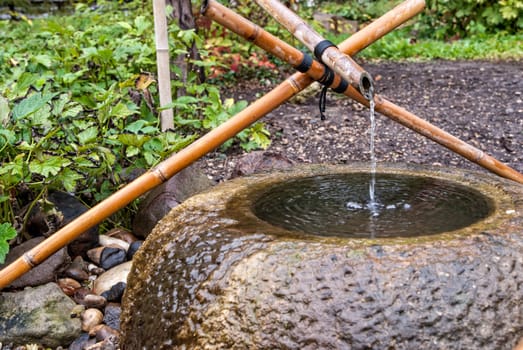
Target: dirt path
(479, 102)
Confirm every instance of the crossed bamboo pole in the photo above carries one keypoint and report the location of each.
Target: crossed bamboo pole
(282, 50)
(200, 147)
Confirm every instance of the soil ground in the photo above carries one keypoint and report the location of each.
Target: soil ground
(479, 102)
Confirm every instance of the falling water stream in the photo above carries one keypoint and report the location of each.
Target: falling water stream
(372, 184)
(373, 205)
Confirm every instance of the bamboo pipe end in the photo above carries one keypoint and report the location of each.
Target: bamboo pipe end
(366, 86)
(204, 7)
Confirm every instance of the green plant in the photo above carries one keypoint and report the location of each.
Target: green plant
(7, 232)
(78, 108)
(457, 19)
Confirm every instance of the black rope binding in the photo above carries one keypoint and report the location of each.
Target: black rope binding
(305, 64)
(327, 79)
(328, 76)
(342, 86)
(321, 47)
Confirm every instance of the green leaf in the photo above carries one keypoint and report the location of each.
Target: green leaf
(132, 140)
(68, 179)
(24, 83)
(44, 60)
(7, 232)
(132, 151)
(6, 136)
(237, 107)
(73, 110)
(82, 162)
(136, 126)
(180, 102)
(142, 24)
(121, 110)
(195, 123)
(125, 25)
(108, 155)
(150, 158)
(70, 77)
(58, 105)
(154, 145)
(12, 173)
(41, 117)
(48, 167)
(88, 135)
(31, 104)
(509, 13)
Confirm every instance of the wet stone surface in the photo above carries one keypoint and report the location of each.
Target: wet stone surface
(214, 276)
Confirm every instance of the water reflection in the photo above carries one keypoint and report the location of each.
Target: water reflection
(339, 205)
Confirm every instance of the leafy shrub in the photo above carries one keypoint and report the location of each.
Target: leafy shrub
(445, 19)
(77, 104)
(442, 19)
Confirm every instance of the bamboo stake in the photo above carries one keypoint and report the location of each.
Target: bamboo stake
(199, 148)
(162, 63)
(282, 50)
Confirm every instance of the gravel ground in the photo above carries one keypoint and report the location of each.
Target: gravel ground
(479, 102)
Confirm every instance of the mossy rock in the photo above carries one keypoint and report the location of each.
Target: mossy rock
(213, 275)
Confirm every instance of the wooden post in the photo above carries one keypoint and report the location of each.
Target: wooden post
(162, 62)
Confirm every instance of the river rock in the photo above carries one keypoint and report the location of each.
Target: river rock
(83, 342)
(115, 293)
(112, 314)
(110, 241)
(112, 277)
(260, 161)
(94, 301)
(163, 198)
(68, 285)
(77, 270)
(45, 272)
(112, 342)
(38, 315)
(66, 209)
(91, 318)
(107, 257)
(102, 332)
(133, 248)
(122, 234)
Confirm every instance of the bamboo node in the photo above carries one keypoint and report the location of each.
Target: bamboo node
(479, 155)
(292, 82)
(28, 258)
(159, 173)
(255, 34)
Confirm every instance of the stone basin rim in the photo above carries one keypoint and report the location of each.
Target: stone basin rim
(238, 196)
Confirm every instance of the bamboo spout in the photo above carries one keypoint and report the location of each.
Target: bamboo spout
(324, 50)
(200, 147)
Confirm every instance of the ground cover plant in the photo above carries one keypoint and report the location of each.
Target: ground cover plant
(78, 106)
(78, 99)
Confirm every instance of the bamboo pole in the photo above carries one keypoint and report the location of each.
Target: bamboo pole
(199, 148)
(162, 63)
(282, 50)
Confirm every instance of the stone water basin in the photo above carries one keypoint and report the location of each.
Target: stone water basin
(231, 269)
